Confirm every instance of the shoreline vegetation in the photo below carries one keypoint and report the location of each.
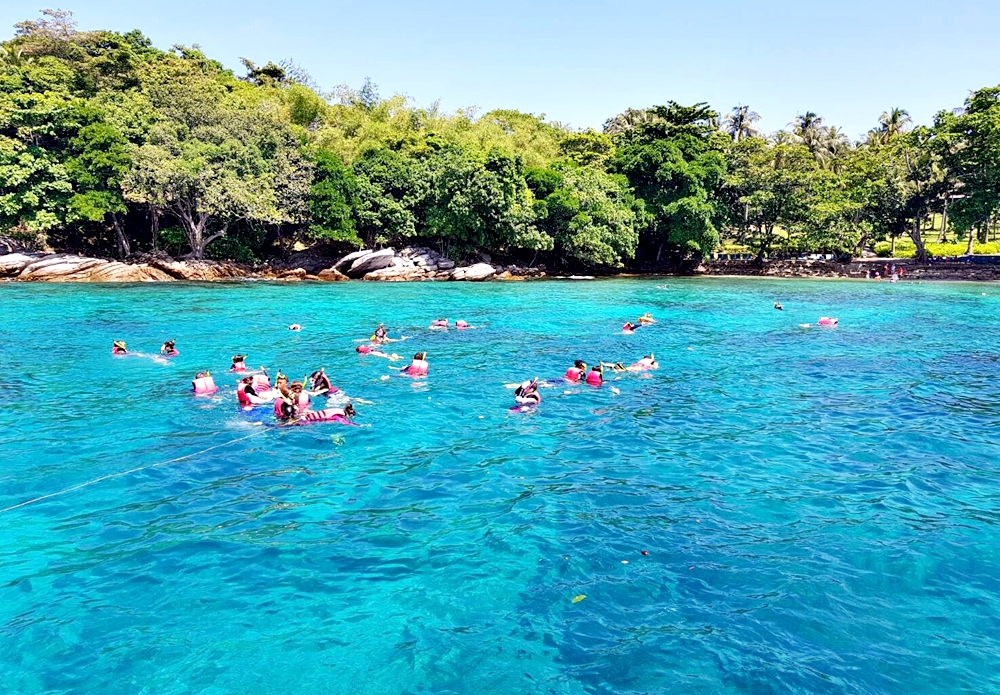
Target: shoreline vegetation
(176, 168)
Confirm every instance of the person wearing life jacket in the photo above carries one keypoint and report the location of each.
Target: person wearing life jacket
(418, 367)
(577, 371)
(595, 377)
(439, 323)
(238, 363)
(285, 400)
(203, 383)
(118, 348)
(827, 321)
(462, 325)
(645, 364)
(168, 349)
(247, 395)
(629, 327)
(320, 382)
(381, 335)
(646, 319)
(301, 396)
(295, 327)
(527, 393)
(341, 415)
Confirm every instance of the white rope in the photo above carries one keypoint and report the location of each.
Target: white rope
(128, 472)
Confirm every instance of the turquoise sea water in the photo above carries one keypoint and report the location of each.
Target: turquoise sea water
(819, 507)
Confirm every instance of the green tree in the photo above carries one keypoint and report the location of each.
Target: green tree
(332, 199)
(969, 145)
(592, 217)
(481, 204)
(675, 163)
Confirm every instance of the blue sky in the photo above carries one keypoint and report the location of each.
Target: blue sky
(582, 62)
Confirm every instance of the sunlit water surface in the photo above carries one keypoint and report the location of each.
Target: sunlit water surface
(819, 507)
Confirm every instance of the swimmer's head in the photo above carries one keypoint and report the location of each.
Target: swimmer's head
(119, 344)
(248, 380)
(349, 410)
(420, 356)
(580, 364)
(239, 358)
(169, 343)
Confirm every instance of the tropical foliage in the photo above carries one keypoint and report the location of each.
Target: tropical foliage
(111, 145)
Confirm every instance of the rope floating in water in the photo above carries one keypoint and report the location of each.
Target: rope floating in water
(128, 472)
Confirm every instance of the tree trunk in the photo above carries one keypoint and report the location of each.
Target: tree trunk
(154, 226)
(970, 249)
(918, 241)
(944, 223)
(121, 241)
(892, 245)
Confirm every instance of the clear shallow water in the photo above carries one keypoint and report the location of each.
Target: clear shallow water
(820, 507)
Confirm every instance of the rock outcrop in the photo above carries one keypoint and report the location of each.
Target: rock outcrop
(331, 275)
(479, 271)
(12, 264)
(374, 260)
(201, 271)
(67, 268)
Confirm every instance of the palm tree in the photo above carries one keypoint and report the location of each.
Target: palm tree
(740, 123)
(809, 127)
(891, 123)
(11, 58)
(833, 144)
(895, 121)
(784, 137)
(628, 120)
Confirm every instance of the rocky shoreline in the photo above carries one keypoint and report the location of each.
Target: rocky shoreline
(410, 264)
(420, 264)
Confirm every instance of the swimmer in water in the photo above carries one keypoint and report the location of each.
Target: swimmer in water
(118, 348)
(320, 383)
(418, 366)
(596, 375)
(645, 364)
(238, 363)
(369, 350)
(381, 335)
(439, 323)
(629, 327)
(527, 393)
(615, 367)
(169, 348)
(778, 306)
(295, 327)
(577, 371)
(646, 318)
(342, 415)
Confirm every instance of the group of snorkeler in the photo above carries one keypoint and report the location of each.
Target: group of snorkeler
(526, 393)
(168, 349)
(292, 399)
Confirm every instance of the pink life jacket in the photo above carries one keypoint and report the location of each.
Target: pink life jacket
(261, 382)
(594, 378)
(241, 367)
(417, 368)
(242, 396)
(574, 373)
(461, 324)
(364, 349)
(204, 385)
(118, 351)
(302, 401)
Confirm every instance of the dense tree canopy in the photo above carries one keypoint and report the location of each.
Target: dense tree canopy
(112, 145)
